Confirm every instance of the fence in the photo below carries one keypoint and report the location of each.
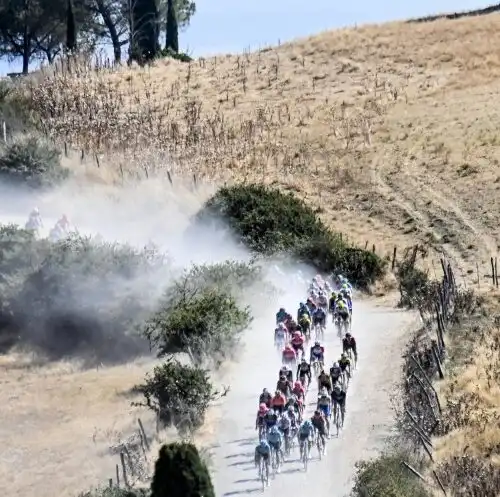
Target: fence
(134, 463)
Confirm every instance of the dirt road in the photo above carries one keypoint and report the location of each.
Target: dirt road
(381, 333)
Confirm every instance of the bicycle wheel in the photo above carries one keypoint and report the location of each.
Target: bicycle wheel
(262, 472)
(305, 454)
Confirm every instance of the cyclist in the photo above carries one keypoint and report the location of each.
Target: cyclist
(325, 406)
(319, 316)
(305, 321)
(288, 354)
(283, 386)
(303, 309)
(332, 303)
(335, 372)
(63, 224)
(297, 343)
(287, 373)
(280, 335)
(34, 221)
(275, 440)
(271, 418)
(324, 381)
(263, 450)
(260, 421)
(317, 352)
(293, 416)
(280, 315)
(339, 401)
(303, 371)
(322, 300)
(343, 310)
(349, 343)
(306, 432)
(284, 425)
(319, 423)
(345, 364)
(278, 402)
(265, 398)
(299, 390)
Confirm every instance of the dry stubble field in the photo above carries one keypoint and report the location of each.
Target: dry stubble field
(391, 130)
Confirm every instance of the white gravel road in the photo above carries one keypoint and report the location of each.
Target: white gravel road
(381, 333)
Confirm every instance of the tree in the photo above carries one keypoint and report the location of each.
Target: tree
(27, 25)
(144, 30)
(180, 472)
(172, 28)
(70, 28)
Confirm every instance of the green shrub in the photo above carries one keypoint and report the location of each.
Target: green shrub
(180, 472)
(200, 313)
(14, 108)
(206, 323)
(168, 52)
(179, 394)
(31, 161)
(268, 221)
(386, 476)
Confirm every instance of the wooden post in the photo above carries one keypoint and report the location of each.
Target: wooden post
(436, 358)
(373, 248)
(4, 131)
(110, 482)
(394, 257)
(477, 272)
(117, 476)
(492, 271)
(496, 272)
(143, 431)
(169, 177)
(124, 469)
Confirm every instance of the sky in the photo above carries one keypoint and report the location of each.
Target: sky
(228, 26)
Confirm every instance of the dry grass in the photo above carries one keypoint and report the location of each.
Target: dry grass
(392, 130)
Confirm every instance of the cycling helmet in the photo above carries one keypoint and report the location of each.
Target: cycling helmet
(282, 309)
(343, 356)
(323, 392)
(337, 388)
(282, 377)
(317, 413)
(303, 361)
(317, 344)
(348, 335)
(335, 364)
(290, 409)
(263, 443)
(274, 429)
(284, 369)
(265, 391)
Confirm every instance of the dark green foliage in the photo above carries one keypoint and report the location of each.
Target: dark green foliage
(14, 109)
(181, 56)
(70, 27)
(180, 472)
(179, 394)
(145, 31)
(31, 161)
(386, 476)
(172, 28)
(268, 221)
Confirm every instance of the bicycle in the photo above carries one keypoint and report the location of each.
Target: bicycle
(320, 444)
(304, 452)
(352, 357)
(264, 471)
(317, 365)
(338, 416)
(275, 460)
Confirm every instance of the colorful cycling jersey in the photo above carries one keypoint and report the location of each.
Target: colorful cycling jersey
(274, 437)
(338, 396)
(306, 428)
(284, 423)
(263, 449)
(319, 313)
(343, 363)
(324, 400)
(335, 372)
(317, 352)
(280, 316)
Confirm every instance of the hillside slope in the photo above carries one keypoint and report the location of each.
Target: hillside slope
(389, 129)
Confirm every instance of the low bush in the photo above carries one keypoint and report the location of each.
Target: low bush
(386, 476)
(268, 221)
(116, 492)
(200, 315)
(178, 394)
(31, 161)
(169, 53)
(180, 472)
(14, 108)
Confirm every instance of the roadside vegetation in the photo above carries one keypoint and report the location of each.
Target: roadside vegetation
(446, 411)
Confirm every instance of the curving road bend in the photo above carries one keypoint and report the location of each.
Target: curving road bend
(381, 333)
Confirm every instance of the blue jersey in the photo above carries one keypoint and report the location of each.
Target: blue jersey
(319, 313)
(274, 437)
(280, 316)
(263, 449)
(306, 429)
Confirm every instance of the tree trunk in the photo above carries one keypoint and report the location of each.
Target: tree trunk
(26, 50)
(113, 34)
(172, 28)
(70, 28)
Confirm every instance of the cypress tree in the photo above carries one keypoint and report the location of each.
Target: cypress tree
(172, 37)
(180, 472)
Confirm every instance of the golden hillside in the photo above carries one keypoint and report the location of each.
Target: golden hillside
(391, 129)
